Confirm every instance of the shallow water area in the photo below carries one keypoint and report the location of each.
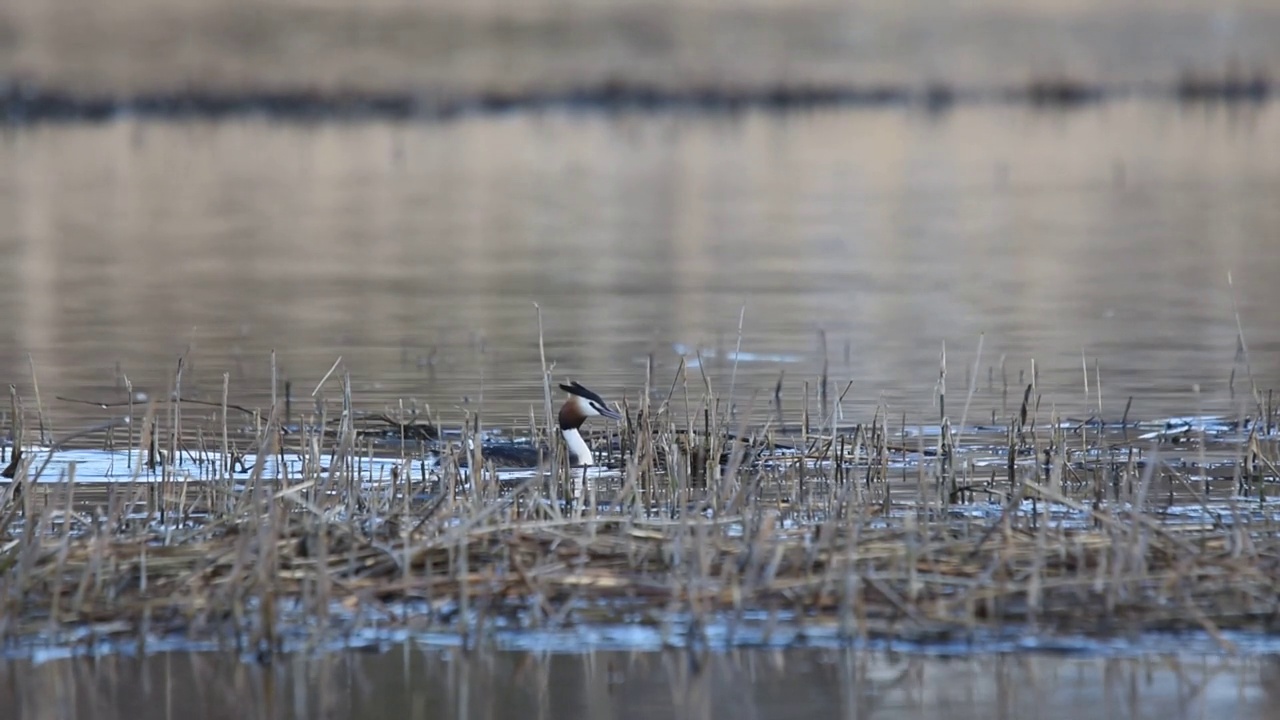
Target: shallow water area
(410, 681)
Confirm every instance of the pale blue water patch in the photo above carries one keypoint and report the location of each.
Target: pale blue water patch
(694, 356)
(96, 467)
(121, 466)
(785, 630)
(439, 626)
(1236, 510)
(48, 466)
(1062, 516)
(1216, 426)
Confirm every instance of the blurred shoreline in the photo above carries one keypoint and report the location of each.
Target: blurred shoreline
(21, 103)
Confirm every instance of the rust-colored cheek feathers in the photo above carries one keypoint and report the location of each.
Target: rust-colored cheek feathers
(572, 416)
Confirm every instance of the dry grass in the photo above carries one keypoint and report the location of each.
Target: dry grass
(863, 531)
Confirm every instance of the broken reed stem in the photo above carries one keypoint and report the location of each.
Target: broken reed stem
(553, 465)
(733, 374)
(35, 388)
(1244, 347)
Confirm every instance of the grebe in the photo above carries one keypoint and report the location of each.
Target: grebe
(582, 404)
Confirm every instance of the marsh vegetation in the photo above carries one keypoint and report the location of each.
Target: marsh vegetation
(770, 518)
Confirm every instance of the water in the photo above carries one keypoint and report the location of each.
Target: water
(441, 46)
(409, 682)
(416, 252)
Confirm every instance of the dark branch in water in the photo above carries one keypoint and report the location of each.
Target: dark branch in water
(12, 468)
(127, 403)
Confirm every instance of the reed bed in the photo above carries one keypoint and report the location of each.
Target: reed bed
(258, 533)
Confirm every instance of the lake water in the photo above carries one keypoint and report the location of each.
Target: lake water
(416, 252)
(407, 682)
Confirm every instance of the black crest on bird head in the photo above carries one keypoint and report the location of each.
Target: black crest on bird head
(597, 403)
(576, 388)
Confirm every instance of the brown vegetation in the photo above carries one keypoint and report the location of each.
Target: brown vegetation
(1045, 524)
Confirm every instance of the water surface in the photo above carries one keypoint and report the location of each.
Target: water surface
(452, 46)
(416, 252)
(407, 682)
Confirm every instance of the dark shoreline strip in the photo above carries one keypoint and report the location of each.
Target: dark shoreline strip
(24, 104)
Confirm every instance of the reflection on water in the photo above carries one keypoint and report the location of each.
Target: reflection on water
(414, 683)
(415, 252)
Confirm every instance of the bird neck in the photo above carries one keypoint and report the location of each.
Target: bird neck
(581, 454)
